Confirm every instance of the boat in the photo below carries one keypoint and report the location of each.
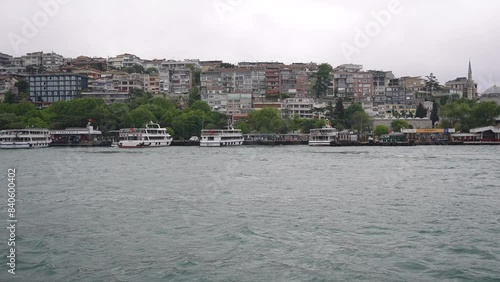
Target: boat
(24, 138)
(150, 136)
(324, 136)
(221, 137)
(76, 136)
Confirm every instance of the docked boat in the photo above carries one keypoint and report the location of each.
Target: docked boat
(323, 136)
(151, 136)
(24, 138)
(221, 137)
(76, 136)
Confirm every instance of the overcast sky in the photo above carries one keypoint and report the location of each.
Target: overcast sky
(408, 37)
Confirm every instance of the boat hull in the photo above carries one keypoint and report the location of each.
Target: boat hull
(144, 144)
(22, 145)
(221, 143)
(319, 143)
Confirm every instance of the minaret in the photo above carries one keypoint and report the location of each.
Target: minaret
(470, 83)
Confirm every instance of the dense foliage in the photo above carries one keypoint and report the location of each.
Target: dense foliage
(464, 114)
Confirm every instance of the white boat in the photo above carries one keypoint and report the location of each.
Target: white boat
(24, 138)
(151, 136)
(221, 137)
(323, 136)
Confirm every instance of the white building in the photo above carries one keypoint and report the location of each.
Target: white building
(303, 107)
(48, 60)
(123, 61)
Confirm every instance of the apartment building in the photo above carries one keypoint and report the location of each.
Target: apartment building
(303, 107)
(49, 88)
(50, 61)
(123, 61)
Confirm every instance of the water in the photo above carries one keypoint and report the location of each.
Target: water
(289, 213)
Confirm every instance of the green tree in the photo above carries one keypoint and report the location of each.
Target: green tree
(360, 121)
(140, 117)
(201, 105)
(264, 120)
(339, 112)
(421, 111)
(23, 86)
(435, 113)
(349, 112)
(322, 79)
(484, 114)
(152, 70)
(9, 98)
(381, 130)
(432, 84)
(398, 124)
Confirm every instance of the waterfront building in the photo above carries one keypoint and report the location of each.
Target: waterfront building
(53, 87)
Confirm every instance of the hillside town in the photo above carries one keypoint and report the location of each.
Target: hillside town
(298, 89)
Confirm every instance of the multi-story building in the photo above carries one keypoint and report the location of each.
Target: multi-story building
(49, 88)
(239, 103)
(216, 99)
(343, 80)
(460, 85)
(293, 82)
(210, 79)
(96, 63)
(180, 81)
(155, 63)
(186, 64)
(154, 83)
(413, 83)
(5, 59)
(48, 60)
(303, 107)
(273, 81)
(123, 61)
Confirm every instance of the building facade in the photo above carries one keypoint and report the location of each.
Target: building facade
(49, 88)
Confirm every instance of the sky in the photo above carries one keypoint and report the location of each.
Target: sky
(407, 37)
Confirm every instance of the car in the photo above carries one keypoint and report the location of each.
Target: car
(194, 138)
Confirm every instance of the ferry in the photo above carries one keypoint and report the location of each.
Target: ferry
(323, 136)
(76, 136)
(151, 136)
(24, 138)
(221, 137)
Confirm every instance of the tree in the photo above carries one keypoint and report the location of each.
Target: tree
(484, 114)
(264, 120)
(322, 79)
(151, 70)
(434, 113)
(339, 112)
(381, 130)
(200, 105)
(194, 95)
(23, 86)
(432, 84)
(140, 117)
(353, 108)
(8, 98)
(360, 121)
(421, 111)
(398, 124)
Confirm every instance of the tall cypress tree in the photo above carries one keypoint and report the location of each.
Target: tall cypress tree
(434, 113)
(421, 111)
